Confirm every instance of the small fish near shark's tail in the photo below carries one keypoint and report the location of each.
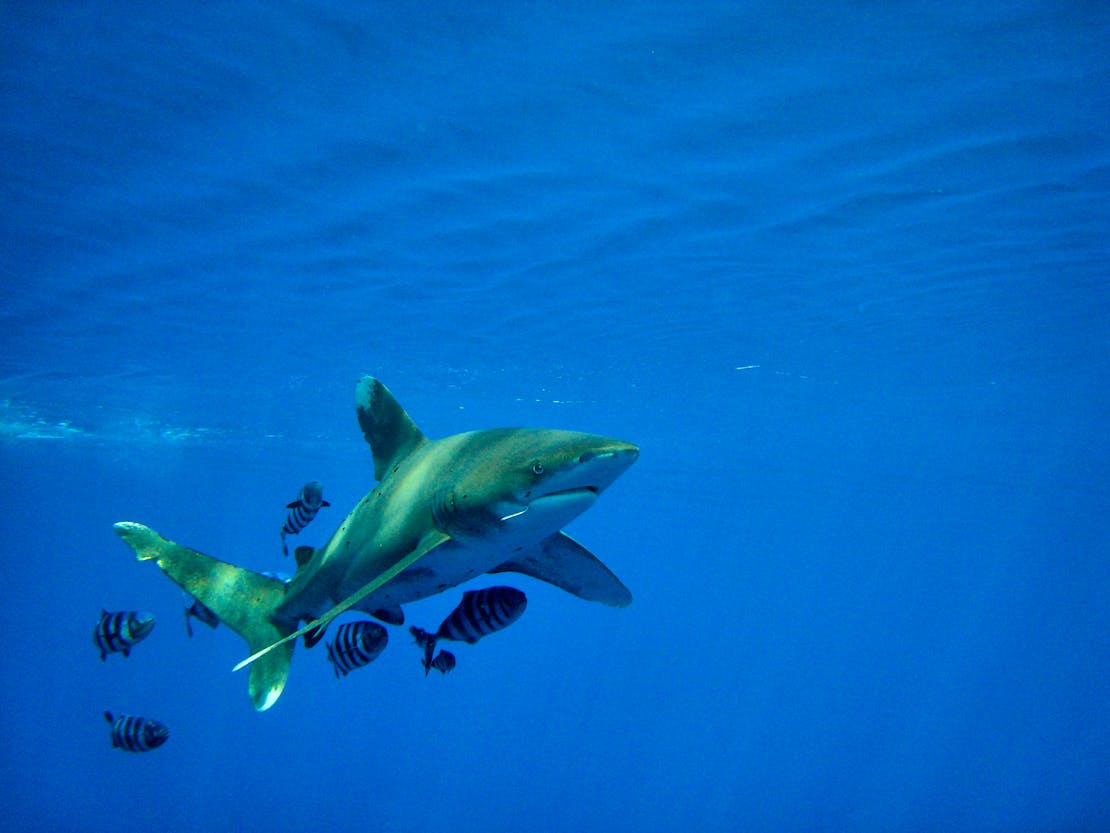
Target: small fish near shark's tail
(242, 599)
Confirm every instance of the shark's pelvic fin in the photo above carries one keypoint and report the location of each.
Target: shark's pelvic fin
(392, 615)
(242, 599)
(390, 431)
(562, 561)
(432, 539)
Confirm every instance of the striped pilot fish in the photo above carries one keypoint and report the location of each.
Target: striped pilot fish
(356, 644)
(480, 613)
(302, 510)
(136, 734)
(444, 661)
(119, 631)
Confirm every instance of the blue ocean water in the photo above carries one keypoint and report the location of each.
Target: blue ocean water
(841, 271)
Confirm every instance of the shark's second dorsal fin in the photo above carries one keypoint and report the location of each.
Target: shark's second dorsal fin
(303, 555)
(390, 431)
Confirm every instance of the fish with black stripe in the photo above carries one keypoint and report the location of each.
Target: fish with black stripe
(136, 734)
(480, 613)
(309, 501)
(444, 661)
(356, 644)
(119, 631)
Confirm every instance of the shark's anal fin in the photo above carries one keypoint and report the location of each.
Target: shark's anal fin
(242, 599)
(390, 431)
(562, 561)
(432, 539)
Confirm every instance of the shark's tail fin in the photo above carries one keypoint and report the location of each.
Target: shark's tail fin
(243, 600)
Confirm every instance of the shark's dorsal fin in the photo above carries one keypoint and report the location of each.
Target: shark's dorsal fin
(390, 431)
(432, 539)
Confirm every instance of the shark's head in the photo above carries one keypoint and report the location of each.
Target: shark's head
(528, 483)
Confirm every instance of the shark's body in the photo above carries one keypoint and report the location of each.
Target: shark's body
(443, 512)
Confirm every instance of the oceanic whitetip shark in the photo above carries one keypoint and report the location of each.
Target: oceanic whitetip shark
(443, 512)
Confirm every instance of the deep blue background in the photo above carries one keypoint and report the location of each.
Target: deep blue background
(840, 270)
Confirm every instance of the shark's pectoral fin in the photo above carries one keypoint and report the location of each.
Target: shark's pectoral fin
(432, 539)
(562, 561)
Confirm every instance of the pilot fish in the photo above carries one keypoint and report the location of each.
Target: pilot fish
(356, 644)
(118, 632)
(136, 734)
(302, 510)
(480, 613)
(444, 661)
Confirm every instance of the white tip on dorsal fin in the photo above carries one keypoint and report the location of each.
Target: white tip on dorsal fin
(390, 431)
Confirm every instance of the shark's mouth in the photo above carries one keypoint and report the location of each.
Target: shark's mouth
(580, 495)
(574, 491)
(560, 501)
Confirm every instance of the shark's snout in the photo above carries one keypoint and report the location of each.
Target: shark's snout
(597, 468)
(586, 474)
(627, 453)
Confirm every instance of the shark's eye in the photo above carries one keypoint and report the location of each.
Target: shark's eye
(537, 468)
